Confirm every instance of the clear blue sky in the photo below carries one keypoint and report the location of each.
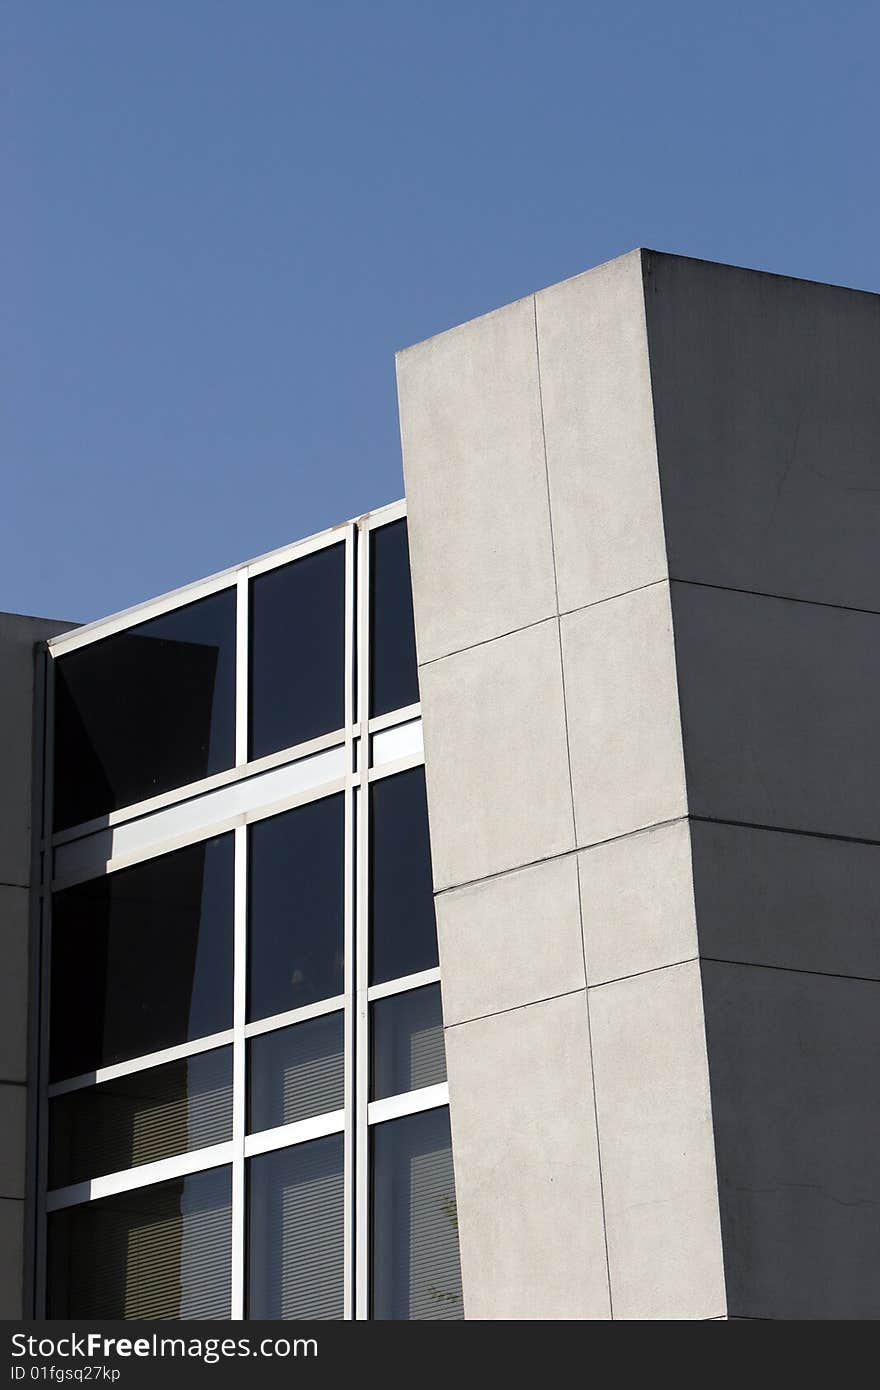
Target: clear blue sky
(222, 218)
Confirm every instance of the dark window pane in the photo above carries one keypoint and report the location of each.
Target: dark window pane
(416, 1273)
(294, 1073)
(145, 710)
(296, 894)
(297, 638)
(295, 1232)
(403, 937)
(157, 1252)
(394, 679)
(152, 1114)
(142, 958)
(407, 1042)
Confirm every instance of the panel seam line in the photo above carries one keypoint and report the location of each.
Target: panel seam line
(562, 854)
(573, 812)
(791, 969)
(514, 1008)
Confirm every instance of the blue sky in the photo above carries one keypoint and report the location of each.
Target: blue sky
(223, 217)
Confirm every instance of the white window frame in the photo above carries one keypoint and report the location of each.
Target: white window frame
(230, 801)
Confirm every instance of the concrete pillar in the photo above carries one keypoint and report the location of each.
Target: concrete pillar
(644, 526)
(18, 636)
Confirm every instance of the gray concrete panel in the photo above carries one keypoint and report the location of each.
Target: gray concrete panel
(800, 901)
(599, 431)
(768, 420)
(495, 756)
(637, 902)
(623, 716)
(794, 1062)
(11, 1257)
(14, 925)
(510, 940)
(476, 482)
(655, 1137)
(779, 711)
(526, 1164)
(13, 1122)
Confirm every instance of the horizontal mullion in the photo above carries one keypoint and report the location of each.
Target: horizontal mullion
(427, 1098)
(213, 583)
(193, 791)
(292, 1016)
(398, 765)
(141, 1063)
(298, 550)
(142, 613)
(299, 1132)
(403, 983)
(405, 715)
(383, 516)
(205, 830)
(144, 1175)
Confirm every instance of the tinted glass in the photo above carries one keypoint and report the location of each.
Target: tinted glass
(142, 959)
(295, 1072)
(416, 1272)
(297, 637)
(403, 937)
(296, 880)
(295, 1232)
(140, 1118)
(394, 680)
(407, 1042)
(145, 710)
(157, 1252)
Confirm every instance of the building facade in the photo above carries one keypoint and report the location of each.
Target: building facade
(642, 534)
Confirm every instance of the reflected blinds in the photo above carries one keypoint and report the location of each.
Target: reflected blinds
(434, 1275)
(296, 1072)
(416, 1272)
(296, 1232)
(158, 1252)
(140, 1118)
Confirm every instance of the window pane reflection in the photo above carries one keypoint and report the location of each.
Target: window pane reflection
(297, 641)
(158, 1252)
(142, 958)
(407, 1042)
(140, 1118)
(394, 679)
(294, 1073)
(145, 710)
(295, 1232)
(296, 908)
(403, 936)
(415, 1266)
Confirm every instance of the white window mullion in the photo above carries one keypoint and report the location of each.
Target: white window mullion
(348, 1196)
(239, 1075)
(362, 1033)
(242, 675)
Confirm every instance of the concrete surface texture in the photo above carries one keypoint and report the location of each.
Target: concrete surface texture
(696, 449)
(18, 636)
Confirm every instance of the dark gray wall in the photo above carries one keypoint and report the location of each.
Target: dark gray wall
(18, 636)
(767, 414)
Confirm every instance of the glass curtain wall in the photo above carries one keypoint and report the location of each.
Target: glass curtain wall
(244, 1103)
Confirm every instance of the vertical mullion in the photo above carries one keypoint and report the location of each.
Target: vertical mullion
(362, 1043)
(239, 1065)
(242, 642)
(239, 956)
(44, 978)
(348, 939)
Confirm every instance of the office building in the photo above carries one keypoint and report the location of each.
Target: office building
(602, 1043)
